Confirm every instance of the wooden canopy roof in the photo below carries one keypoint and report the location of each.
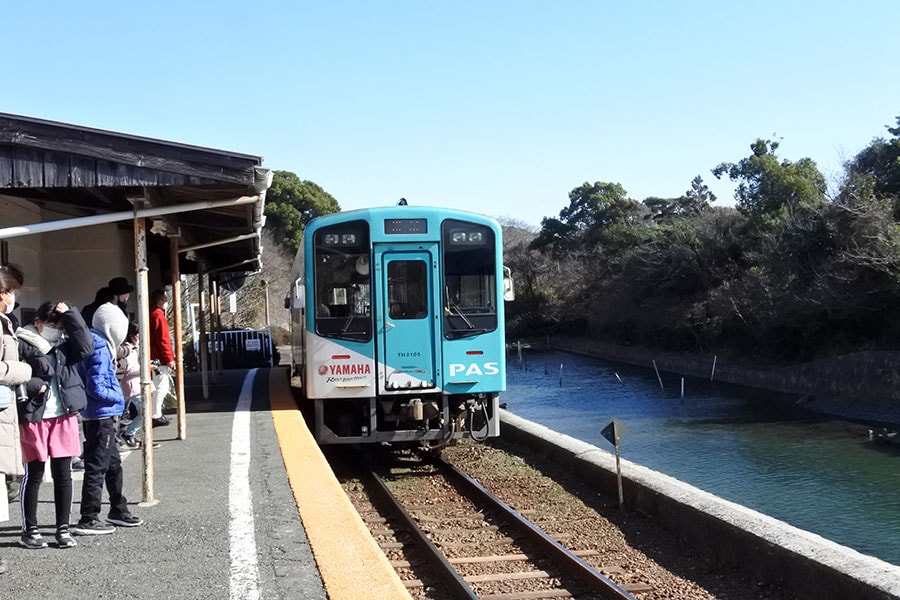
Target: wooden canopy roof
(80, 172)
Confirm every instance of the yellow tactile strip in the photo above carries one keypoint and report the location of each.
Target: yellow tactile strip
(352, 565)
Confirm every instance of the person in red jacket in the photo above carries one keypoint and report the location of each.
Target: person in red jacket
(161, 351)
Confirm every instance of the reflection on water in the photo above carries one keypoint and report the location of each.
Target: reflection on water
(752, 447)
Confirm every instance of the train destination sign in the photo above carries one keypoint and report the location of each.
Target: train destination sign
(397, 226)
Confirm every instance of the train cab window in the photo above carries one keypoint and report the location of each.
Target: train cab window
(407, 289)
(470, 279)
(343, 282)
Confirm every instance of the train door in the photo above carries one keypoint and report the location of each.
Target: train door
(406, 301)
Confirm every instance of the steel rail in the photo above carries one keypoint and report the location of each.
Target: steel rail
(576, 567)
(459, 588)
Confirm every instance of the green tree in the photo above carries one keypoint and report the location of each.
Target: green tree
(661, 208)
(593, 209)
(769, 189)
(698, 198)
(879, 162)
(557, 237)
(693, 202)
(291, 203)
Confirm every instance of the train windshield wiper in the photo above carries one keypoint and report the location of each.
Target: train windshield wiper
(457, 332)
(347, 324)
(345, 330)
(451, 306)
(463, 333)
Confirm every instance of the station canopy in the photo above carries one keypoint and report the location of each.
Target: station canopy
(82, 172)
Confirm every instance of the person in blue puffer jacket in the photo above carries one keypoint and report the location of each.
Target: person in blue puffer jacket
(105, 404)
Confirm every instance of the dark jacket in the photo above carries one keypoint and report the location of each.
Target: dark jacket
(88, 310)
(104, 396)
(78, 346)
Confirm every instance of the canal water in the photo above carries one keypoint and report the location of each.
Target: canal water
(752, 447)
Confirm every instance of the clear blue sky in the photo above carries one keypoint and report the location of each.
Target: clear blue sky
(497, 107)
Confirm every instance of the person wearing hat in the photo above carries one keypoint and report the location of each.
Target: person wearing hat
(120, 288)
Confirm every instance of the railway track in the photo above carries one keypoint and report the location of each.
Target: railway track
(449, 537)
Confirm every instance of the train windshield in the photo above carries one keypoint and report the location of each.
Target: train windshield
(343, 289)
(470, 279)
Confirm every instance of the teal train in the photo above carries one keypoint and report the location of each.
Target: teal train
(397, 325)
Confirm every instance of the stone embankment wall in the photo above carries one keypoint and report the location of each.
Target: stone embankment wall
(805, 565)
(864, 386)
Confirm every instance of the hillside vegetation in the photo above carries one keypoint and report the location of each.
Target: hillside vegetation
(789, 274)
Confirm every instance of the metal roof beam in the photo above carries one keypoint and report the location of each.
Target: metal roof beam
(237, 238)
(231, 267)
(22, 230)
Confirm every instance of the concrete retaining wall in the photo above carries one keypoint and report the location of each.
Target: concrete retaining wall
(804, 564)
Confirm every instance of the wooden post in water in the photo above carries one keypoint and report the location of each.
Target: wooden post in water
(682, 388)
(560, 374)
(658, 377)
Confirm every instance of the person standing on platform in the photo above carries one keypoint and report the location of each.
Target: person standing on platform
(103, 296)
(53, 345)
(128, 370)
(105, 403)
(160, 351)
(13, 373)
(121, 289)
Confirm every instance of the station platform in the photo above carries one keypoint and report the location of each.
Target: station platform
(245, 507)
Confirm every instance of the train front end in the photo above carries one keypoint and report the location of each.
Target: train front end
(404, 337)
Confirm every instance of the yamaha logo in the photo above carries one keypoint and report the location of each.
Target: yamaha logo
(323, 370)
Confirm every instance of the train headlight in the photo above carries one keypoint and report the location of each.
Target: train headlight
(466, 237)
(340, 239)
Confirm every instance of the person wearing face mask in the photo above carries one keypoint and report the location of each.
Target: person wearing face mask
(13, 372)
(53, 345)
(161, 351)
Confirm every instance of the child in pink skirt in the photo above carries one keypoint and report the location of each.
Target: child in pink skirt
(53, 345)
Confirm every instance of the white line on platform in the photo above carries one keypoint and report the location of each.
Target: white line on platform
(244, 583)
